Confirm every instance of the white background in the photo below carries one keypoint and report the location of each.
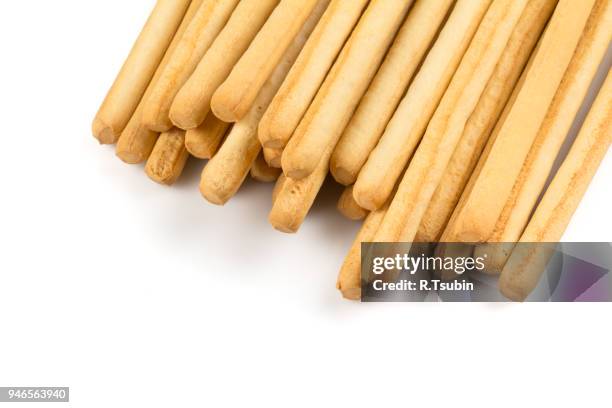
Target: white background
(134, 294)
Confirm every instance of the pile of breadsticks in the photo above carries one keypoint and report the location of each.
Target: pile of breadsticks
(443, 118)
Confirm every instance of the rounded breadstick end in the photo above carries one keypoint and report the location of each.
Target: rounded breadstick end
(348, 207)
(103, 132)
(168, 158)
(351, 293)
(513, 292)
(130, 157)
(282, 223)
(341, 174)
(181, 118)
(220, 107)
(367, 197)
(212, 195)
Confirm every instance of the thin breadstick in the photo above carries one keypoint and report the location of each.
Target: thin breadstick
(475, 220)
(204, 141)
(349, 207)
(523, 270)
(204, 28)
(278, 186)
(260, 170)
(387, 89)
(339, 95)
(483, 119)
(295, 198)
(225, 173)
(405, 129)
(168, 158)
(307, 75)
(138, 70)
(192, 103)
(137, 141)
(431, 158)
(349, 278)
(273, 156)
(540, 160)
(234, 98)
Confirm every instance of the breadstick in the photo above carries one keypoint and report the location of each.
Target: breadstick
(260, 170)
(224, 173)
(309, 71)
(387, 89)
(168, 158)
(349, 278)
(295, 198)
(348, 207)
(273, 156)
(484, 117)
(234, 98)
(405, 129)
(339, 95)
(278, 186)
(549, 140)
(138, 70)
(484, 203)
(431, 158)
(523, 270)
(204, 28)
(192, 103)
(137, 141)
(204, 141)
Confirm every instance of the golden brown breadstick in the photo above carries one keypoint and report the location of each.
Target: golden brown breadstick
(403, 133)
(523, 270)
(483, 119)
(295, 198)
(475, 220)
(204, 141)
(339, 95)
(234, 98)
(260, 170)
(349, 278)
(138, 70)
(431, 158)
(349, 207)
(192, 103)
(224, 173)
(387, 89)
(278, 186)
(202, 31)
(168, 158)
(273, 156)
(557, 123)
(137, 141)
(305, 78)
